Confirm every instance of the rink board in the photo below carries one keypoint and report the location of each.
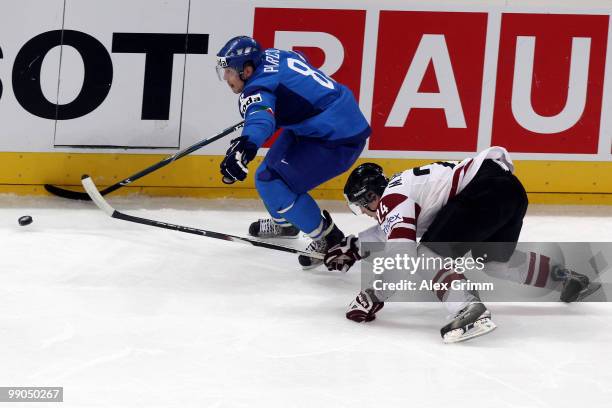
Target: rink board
(109, 89)
(552, 182)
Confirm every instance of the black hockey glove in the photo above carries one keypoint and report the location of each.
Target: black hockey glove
(344, 255)
(238, 156)
(364, 307)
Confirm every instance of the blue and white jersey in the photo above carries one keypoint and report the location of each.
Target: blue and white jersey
(286, 91)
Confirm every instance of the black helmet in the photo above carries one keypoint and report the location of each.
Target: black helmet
(363, 182)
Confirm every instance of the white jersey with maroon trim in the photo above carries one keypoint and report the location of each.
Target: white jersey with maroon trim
(414, 197)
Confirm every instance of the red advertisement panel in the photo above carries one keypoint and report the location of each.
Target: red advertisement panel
(428, 81)
(347, 26)
(550, 77)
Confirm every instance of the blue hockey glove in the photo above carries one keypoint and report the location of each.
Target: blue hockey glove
(238, 156)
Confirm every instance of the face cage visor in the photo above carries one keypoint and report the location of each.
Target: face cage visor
(358, 204)
(222, 72)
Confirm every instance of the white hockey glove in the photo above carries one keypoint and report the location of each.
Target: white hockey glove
(364, 307)
(344, 255)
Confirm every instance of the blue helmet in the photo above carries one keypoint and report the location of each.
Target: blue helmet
(237, 52)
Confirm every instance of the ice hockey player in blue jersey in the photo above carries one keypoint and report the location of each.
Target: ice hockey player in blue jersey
(324, 132)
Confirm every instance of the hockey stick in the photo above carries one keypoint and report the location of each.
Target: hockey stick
(77, 195)
(102, 204)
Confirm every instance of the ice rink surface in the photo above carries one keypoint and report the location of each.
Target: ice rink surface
(125, 315)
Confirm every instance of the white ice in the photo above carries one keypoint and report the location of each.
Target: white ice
(125, 315)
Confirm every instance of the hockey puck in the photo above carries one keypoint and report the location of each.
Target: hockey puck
(25, 220)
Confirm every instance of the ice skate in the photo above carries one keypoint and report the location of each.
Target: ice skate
(472, 321)
(269, 228)
(576, 286)
(331, 236)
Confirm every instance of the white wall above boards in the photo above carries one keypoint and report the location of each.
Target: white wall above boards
(28, 78)
(128, 93)
(209, 104)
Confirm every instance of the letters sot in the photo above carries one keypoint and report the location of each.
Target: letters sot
(159, 49)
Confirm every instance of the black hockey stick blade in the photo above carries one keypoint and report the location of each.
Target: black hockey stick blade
(102, 204)
(64, 193)
(78, 195)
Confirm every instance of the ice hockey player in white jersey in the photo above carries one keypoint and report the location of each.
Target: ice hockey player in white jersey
(451, 207)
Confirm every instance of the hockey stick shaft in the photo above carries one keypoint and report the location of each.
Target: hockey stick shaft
(102, 204)
(77, 195)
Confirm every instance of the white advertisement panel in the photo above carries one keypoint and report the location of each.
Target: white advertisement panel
(209, 105)
(134, 56)
(23, 73)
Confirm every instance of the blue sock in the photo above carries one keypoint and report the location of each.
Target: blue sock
(299, 209)
(304, 214)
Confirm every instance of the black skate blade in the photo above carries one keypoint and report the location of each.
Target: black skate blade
(588, 291)
(272, 239)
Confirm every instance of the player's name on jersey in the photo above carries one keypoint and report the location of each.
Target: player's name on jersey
(430, 285)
